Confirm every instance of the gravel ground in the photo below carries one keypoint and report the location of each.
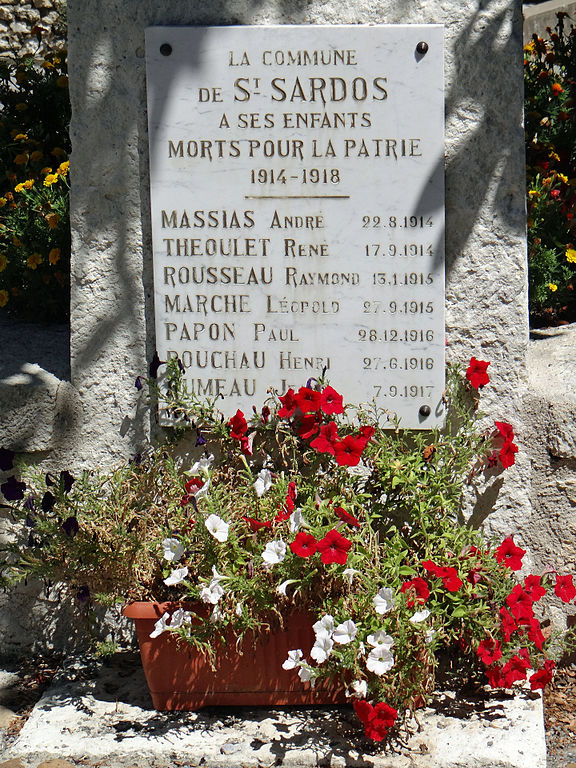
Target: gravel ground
(29, 679)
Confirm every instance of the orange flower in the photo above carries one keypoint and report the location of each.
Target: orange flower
(36, 155)
(34, 260)
(17, 242)
(556, 88)
(63, 168)
(53, 220)
(20, 159)
(54, 256)
(4, 296)
(46, 170)
(28, 184)
(3, 262)
(58, 152)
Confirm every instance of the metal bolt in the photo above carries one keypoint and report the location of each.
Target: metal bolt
(165, 49)
(422, 47)
(424, 411)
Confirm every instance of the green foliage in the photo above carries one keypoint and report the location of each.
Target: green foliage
(550, 116)
(34, 189)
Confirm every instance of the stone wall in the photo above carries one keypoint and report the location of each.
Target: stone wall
(31, 27)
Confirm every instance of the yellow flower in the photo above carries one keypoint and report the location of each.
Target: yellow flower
(554, 156)
(21, 107)
(3, 298)
(63, 168)
(46, 170)
(50, 179)
(3, 202)
(36, 155)
(58, 152)
(47, 65)
(553, 287)
(52, 219)
(54, 256)
(19, 187)
(530, 222)
(571, 255)
(20, 137)
(3, 262)
(34, 260)
(562, 178)
(533, 193)
(29, 183)
(20, 159)
(62, 81)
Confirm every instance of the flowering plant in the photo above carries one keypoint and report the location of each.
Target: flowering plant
(34, 189)
(550, 93)
(308, 505)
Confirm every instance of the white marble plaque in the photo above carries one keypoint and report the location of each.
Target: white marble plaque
(297, 195)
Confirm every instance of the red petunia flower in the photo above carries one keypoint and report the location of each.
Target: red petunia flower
(348, 451)
(508, 626)
(534, 588)
(449, 575)
(334, 548)
(346, 517)
(331, 402)
(246, 444)
(564, 588)
(308, 426)
(238, 425)
(377, 720)
(494, 675)
(193, 485)
(543, 676)
(419, 587)
(325, 441)
(489, 651)
(476, 373)
(289, 405)
(509, 554)
(515, 669)
(505, 429)
(304, 545)
(520, 604)
(365, 434)
(308, 400)
(506, 454)
(257, 525)
(535, 633)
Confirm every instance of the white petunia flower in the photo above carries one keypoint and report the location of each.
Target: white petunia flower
(307, 675)
(380, 638)
(324, 626)
(380, 660)
(238, 609)
(281, 588)
(358, 689)
(430, 635)
(216, 615)
(161, 625)
(296, 521)
(217, 527)
(212, 593)
(172, 550)
(294, 659)
(180, 617)
(345, 632)
(176, 577)
(274, 553)
(419, 616)
(201, 466)
(217, 577)
(384, 600)
(349, 574)
(263, 482)
(322, 648)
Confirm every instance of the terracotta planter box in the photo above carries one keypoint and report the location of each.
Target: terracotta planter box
(180, 678)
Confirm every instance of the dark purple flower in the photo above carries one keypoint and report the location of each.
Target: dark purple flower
(139, 382)
(6, 459)
(154, 365)
(66, 480)
(29, 503)
(136, 459)
(30, 522)
(70, 526)
(50, 479)
(48, 501)
(83, 594)
(311, 382)
(12, 489)
(181, 365)
(199, 439)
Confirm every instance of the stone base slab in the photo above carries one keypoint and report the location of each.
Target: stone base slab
(105, 716)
